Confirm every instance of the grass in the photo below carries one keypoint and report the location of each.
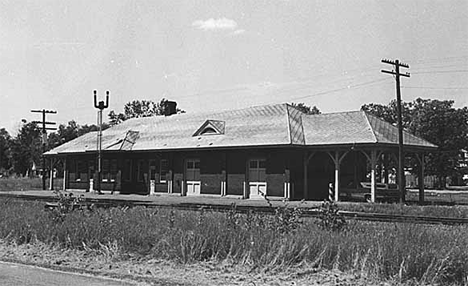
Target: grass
(399, 209)
(24, 184)
(412, 254)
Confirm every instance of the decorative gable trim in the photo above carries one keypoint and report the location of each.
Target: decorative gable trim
(211, 127)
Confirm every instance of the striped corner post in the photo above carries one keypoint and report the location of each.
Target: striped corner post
(331, 192)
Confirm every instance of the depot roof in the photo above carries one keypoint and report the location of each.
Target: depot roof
(267, 125)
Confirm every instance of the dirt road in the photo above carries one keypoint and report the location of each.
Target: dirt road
(12, 274)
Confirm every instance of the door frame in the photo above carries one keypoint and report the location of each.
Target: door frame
(188, 182)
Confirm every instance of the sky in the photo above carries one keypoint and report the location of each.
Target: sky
(219, 55)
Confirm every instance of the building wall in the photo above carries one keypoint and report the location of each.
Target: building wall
(216, 167)
(236, 172)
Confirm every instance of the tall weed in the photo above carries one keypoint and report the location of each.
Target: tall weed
(400, 252)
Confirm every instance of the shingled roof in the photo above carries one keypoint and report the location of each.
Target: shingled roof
(268, 125)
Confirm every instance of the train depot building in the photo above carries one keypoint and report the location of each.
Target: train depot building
(273, 150)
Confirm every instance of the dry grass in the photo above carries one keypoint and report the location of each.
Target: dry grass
(384, 251)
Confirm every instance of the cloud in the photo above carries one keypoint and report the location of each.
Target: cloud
(216, 24)
(238, 32)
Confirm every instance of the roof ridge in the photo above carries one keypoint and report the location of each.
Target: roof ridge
(406, 133)
(288, 123)
(366, 116)
(298, 114)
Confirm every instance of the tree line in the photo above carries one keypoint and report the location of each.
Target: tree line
(18, 154)
(439, 122)
(436, 121)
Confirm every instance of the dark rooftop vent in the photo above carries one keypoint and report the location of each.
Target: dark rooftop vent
(170, 107)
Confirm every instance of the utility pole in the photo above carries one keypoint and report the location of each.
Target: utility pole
(401, 157)
(100, 106)
(44, 139)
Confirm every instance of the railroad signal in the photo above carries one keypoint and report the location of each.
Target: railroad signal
(101, 106)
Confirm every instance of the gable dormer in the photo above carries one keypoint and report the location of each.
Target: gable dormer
(211, 127)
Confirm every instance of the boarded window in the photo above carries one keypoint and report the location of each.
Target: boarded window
(257, 170)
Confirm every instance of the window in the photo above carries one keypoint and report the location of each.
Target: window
(152, 169)
(193, 170)
(211, 127)
(141, 170)
(113, 170)
(81, 171)
(127, 172)
(257, 170)
(105, 170)
(91, 168)
(208, 130)
(164, 169)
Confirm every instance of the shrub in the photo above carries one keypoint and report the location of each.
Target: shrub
(330, 218)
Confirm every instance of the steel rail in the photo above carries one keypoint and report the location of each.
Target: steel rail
(305, 212)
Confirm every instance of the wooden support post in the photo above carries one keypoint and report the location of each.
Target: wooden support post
(169, 179)
(51, 178)
(373, 159)
(373, 181)
(65, 174)
(223, 183)
(385, 166)
(421, 158)
(287, 184)
(337, 175)
(336, 158)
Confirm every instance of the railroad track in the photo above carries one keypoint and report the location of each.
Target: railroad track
(306, 212)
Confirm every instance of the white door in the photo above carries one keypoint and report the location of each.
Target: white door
(257, 190)
(257, 179)
(192, 175)
(193, 188)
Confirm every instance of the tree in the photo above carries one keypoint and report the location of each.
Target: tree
(137, 108)
(305, 108)
(5, 142)
(69, 132)
(26, 148)
(389, 112)
(436, 121)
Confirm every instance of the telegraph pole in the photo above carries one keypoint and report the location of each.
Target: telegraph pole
(44, 139)
(401, 157)
(100, 106)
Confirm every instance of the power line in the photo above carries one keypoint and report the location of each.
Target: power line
(343, 88)
(445, 59)
(439, 66)
(446, 71)
(433, 87)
